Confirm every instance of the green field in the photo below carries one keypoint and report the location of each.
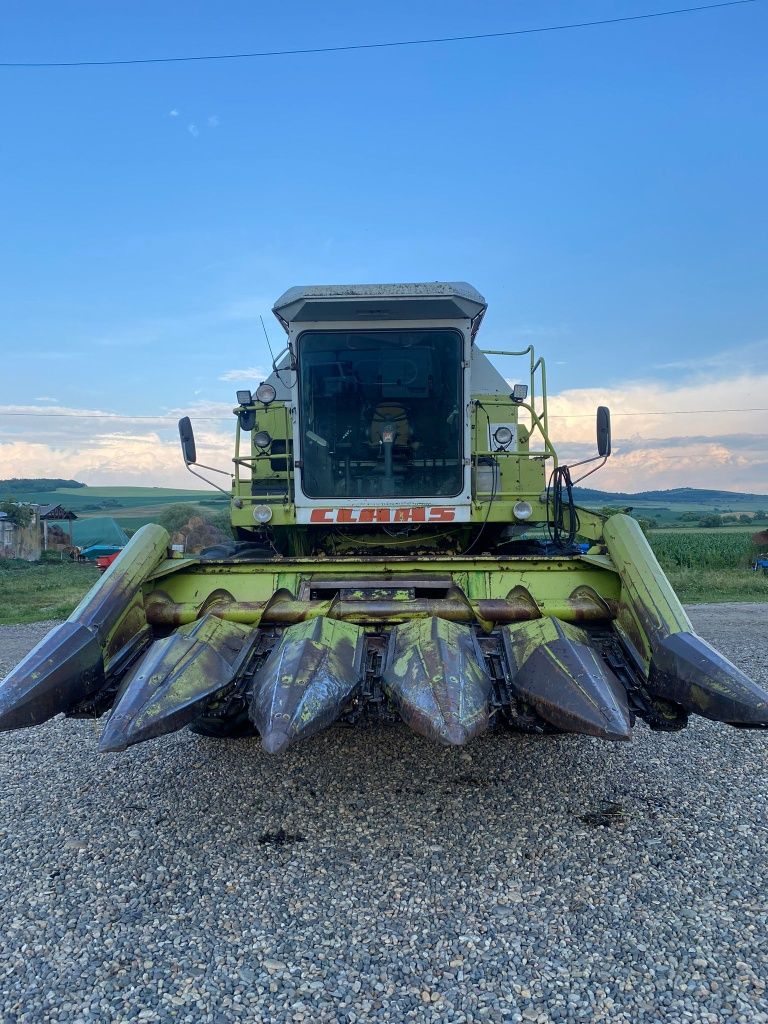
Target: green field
(134, 506)
(710, 565)
(703, 565)
(36, 591)
(684, 507)
(704, 549)
(130, 506)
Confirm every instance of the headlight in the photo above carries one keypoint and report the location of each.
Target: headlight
(262, 439)
(262, 513)
(265, 393)
(503, 436)
(522, 510)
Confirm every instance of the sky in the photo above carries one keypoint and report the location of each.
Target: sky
(603, 187)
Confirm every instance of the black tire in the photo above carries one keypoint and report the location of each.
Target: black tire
(233, 728)
(238, 550)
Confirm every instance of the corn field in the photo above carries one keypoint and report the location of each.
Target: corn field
(705, 549)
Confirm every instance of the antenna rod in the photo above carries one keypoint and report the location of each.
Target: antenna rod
(264, 328)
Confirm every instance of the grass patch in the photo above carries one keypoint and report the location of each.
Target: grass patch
(713, 586)
(702, 567)
(36, 591)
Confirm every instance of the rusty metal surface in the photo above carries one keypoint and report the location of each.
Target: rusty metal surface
(565, 680)
(435, 674)
(312, 587)
(285, 610)
(173, 680)
(687, 670)
(306, 682)
(68, 665)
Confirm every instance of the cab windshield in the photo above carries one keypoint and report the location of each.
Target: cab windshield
(380, 413)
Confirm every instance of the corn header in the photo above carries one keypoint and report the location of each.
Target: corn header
(405, 545)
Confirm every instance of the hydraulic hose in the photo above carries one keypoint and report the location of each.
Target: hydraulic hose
(560, 494)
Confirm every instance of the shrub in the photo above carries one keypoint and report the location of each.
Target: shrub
(19, 515)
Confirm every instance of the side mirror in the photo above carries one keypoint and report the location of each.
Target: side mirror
(187, 438)
(603, 431)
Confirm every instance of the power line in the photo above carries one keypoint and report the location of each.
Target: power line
(171, 420)
(373, 46)
(161, 419)
(666, 412)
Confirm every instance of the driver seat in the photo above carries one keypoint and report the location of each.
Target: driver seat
(393, 412)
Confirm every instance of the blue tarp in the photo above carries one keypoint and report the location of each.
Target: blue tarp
(99, 550)
(97, 530)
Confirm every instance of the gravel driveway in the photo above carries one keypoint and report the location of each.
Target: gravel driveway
(369, 876)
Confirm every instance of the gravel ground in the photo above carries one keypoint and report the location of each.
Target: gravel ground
(368, 876)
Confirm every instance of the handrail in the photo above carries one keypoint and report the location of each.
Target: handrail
(248, 461)
(538, 420)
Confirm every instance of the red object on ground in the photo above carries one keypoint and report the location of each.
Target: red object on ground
(104, 561)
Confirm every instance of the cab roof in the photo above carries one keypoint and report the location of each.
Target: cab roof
(431, 300)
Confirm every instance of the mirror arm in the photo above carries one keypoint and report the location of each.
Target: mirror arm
(237, 502)
(585, 462)
(584, 476)
(211, 469)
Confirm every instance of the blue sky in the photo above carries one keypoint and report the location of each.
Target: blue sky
(605, 188)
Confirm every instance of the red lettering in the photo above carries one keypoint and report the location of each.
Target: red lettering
(373, 515)
(442, 515)
(320, 515)
(410, 515)
(436, 514)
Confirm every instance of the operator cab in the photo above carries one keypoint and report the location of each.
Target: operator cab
(379, 399)
(379, 413)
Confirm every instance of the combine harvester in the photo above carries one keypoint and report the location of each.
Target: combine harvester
(406, 544)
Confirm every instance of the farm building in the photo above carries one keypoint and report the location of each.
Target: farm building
(54, 528)
(19, 539)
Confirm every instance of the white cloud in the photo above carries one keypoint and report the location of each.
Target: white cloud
(193, 130)
(250, 373)
(173, 113)
(45, 398)
(701, 433)
(143, 459)
(706, 433)
(214, 121)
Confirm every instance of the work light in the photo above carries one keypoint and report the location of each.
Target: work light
(503, 436)
(262, 513)
(265, 393)
(244, 398)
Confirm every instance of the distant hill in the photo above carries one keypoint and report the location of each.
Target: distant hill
(19, 484)
(676, 496)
